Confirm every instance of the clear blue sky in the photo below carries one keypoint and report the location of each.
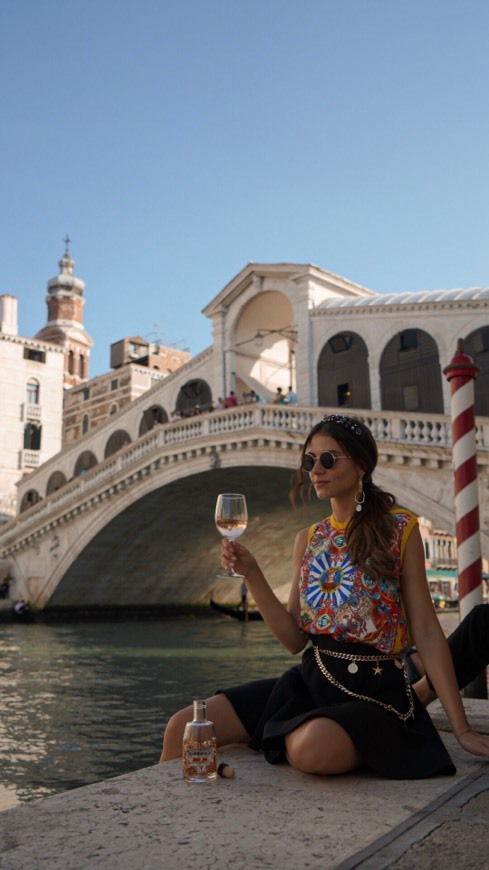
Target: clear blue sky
(177, 140)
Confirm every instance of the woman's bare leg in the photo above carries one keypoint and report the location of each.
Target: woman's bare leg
(321, 746)
(229, 728)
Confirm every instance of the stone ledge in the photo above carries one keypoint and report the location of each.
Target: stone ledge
(267, 816)
(477, 713)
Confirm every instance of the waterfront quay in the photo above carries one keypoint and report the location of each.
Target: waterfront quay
(266, 817)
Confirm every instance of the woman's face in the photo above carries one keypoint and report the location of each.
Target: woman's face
(338, 482)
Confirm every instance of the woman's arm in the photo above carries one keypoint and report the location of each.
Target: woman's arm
(432, 645)
(283, 622)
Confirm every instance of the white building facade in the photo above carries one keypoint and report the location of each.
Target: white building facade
(31, 404)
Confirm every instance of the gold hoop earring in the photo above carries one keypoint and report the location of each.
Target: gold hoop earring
(359, 496)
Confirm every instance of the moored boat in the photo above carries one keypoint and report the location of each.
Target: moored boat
(243, 614)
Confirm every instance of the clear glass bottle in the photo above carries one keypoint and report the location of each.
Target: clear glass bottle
(199, 751)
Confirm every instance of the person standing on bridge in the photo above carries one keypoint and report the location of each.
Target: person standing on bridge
(358, 592)
(291, 397)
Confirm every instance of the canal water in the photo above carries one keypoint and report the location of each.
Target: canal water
(85, 701)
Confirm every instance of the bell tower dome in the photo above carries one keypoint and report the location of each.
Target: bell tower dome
(65, 320)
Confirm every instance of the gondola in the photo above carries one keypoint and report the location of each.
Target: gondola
(250, 615)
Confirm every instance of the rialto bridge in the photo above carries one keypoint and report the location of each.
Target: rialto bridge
(137, 528)
(124, 515)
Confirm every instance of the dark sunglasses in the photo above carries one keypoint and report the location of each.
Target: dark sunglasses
(326, 459)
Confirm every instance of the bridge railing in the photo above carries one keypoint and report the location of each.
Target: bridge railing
(429, 430)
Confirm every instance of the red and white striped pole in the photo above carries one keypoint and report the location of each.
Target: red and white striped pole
(461, 373)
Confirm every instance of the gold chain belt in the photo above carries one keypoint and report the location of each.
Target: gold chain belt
(353, 668)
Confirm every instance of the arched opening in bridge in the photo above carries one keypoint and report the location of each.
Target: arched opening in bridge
(117, 440)
(85, 462)
(476, 345)
(30, 498)
(163, 548)
(264, 346)
(194, 396)
(153, 416)
(410, 373)
(56, 480)
(343, 372)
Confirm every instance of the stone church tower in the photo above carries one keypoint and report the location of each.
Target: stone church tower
(65, 321)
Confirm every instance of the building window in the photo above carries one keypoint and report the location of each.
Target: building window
(85, 425)
(86, 394)
(71, 362)
(81, 366)
(32, 392)
(408, 339)
(411, 397)
(344, 394)
(340, 343)
(114, 384)
(32, 437)
(34, 355)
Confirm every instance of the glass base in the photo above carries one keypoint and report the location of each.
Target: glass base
(231, 576)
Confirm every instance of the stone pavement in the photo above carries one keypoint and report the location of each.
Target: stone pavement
(267, 817)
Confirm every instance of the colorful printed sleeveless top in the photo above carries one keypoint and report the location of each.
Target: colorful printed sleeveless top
(339, 599)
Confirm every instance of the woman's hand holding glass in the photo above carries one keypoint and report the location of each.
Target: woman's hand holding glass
(231, 520)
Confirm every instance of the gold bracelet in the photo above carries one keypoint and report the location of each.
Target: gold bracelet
(458, 736)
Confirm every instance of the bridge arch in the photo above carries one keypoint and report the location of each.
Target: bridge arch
(264, 339)
(117, 440)
(29, 499)
(85, 462)
(410, 373)
(155, 415)
(131, 537)
(56, 480)
(211, 453)
(194, 395)
(343, 372)
(476, 345)
(125, 531)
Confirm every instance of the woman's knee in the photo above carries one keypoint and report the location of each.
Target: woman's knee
(321, 746)
(173, 735)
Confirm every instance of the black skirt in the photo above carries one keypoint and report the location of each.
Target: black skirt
(391, 730)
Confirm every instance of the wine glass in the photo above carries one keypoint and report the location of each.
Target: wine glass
(231, 520)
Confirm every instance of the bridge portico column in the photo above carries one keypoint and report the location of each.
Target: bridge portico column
(375, 397)
(221, 378)
(305, 360)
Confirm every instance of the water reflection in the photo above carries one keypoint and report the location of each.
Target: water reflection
(86, 701)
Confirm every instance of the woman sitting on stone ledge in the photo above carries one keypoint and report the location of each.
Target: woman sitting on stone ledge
(358, 581)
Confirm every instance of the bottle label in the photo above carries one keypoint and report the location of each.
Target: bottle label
(200, 760)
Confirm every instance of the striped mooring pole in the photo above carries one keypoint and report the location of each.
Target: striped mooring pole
(461, 373)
